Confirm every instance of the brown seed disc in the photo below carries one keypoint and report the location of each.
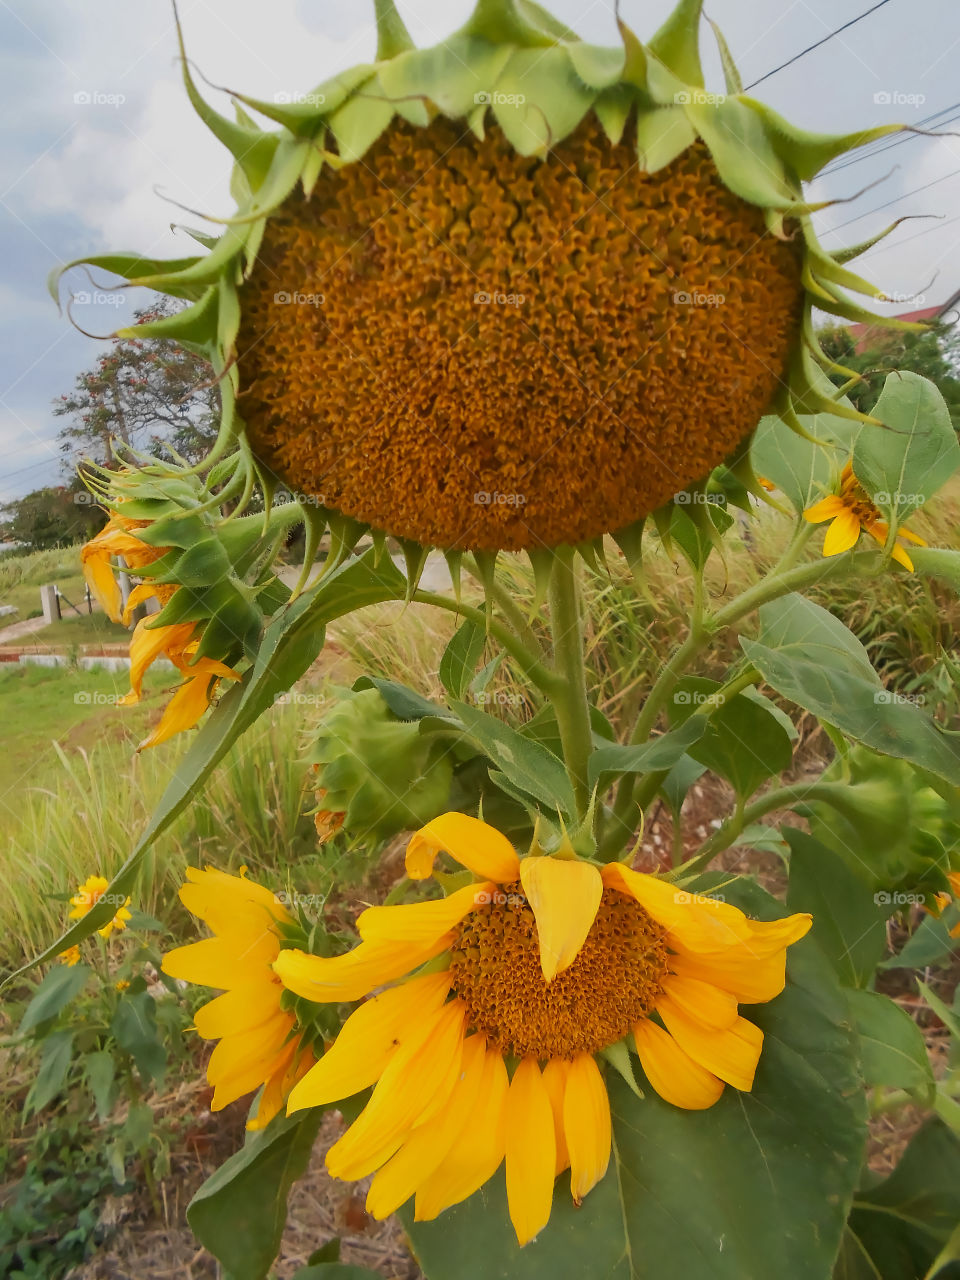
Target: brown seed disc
(473, 349)
(612, 984)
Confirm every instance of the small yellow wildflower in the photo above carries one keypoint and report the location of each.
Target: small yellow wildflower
(71, 956)
(89, 893)
(852, 513)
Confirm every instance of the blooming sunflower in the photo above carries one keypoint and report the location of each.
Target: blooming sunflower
(590, 278)
(851, 513)
(87, 894)
(509, 989)
(178, 643)
(260, 1044)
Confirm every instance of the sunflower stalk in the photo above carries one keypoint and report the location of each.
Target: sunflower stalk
(569, 696)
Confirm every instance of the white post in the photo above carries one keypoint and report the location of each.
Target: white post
(50, 604)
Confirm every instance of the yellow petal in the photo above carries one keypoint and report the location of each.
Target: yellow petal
(474, 844)
(415, 1085)
(229, 904)
(732, 1054)
(586, 1125)
(672, 1072)
(241, 1063)
(912, 537)
(145, 591)
(564, 896)
(477, 1151)
(341, 979)
(826, 509)
(531, 1151)
(842, 534)
(368, 1040)
(555, 1082)
(270, 1102)
(421, 922)
(214, 962)
(899, 554)
(238, 1009)
(427, 1145)
(749, 979)
(183, 710)
(700, 923)
(99, 578)
(708, 1004)
(147, 644)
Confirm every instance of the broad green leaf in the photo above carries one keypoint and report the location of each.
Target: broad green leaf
(359, 122)
(742, 151)
(898, 1226)
(848, 923)
(239, 1212)
(938, 562)
(406, 704)
(543, 728)
(649, 757)
(947, 1016)
(52, 1072)
(799, 468)
(290, 645)
(99, 1071)
(679, 780)
(134, 1027)
(458, 663)
(761, 1180)
(914, 453)
(931, 944)
(662, 134)
(539, 99)
(810, 657)
(56, 991)
(336, 1271)
(456, 76)
(744, 742)
(893, 1052)
(528, 765)
(696, 529)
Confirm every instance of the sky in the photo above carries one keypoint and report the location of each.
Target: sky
(100, 150)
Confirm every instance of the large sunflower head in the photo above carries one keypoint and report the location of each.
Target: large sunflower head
(514, 290)
(507, 996)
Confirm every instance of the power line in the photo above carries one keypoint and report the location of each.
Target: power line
(810, 48)
(868, 152)
(897, 199)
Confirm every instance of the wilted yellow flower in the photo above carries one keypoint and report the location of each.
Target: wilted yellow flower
(851, 513)
(545, 963)
(178, 643)
(89, 893)
(259, 1044)
(71, 956)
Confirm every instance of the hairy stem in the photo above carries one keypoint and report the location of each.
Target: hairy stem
(570, 695)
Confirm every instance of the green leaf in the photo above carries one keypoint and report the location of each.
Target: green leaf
(745, 741)
(360, 121)
(459, 660)
(456, 75)
(56, 991)
(239, 1212)
(527, 765)
(848, 924)
(138, 1126)
(943, 1011)
(52, 1073)
(898, 1226)
(406, 704)
(677, 43)
(931, 944)
(914, 453)
(811, 658)
(134, 1027)
(679, 780)
(539, 99)
(662, 135)
(290, 645)
(938, 562)
(336, 1271)
(742, 151)
(99, 1070)
(708, 1195)
(800, 469)
(892, 1048)
(650, 757)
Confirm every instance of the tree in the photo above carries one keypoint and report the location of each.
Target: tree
(933, 354)
(142, 393)
(51, 517)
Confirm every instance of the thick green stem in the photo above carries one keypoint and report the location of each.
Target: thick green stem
(570, 696)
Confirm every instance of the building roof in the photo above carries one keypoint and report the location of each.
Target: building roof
(864, 335)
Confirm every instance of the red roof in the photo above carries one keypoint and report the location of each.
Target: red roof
(863, 334)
